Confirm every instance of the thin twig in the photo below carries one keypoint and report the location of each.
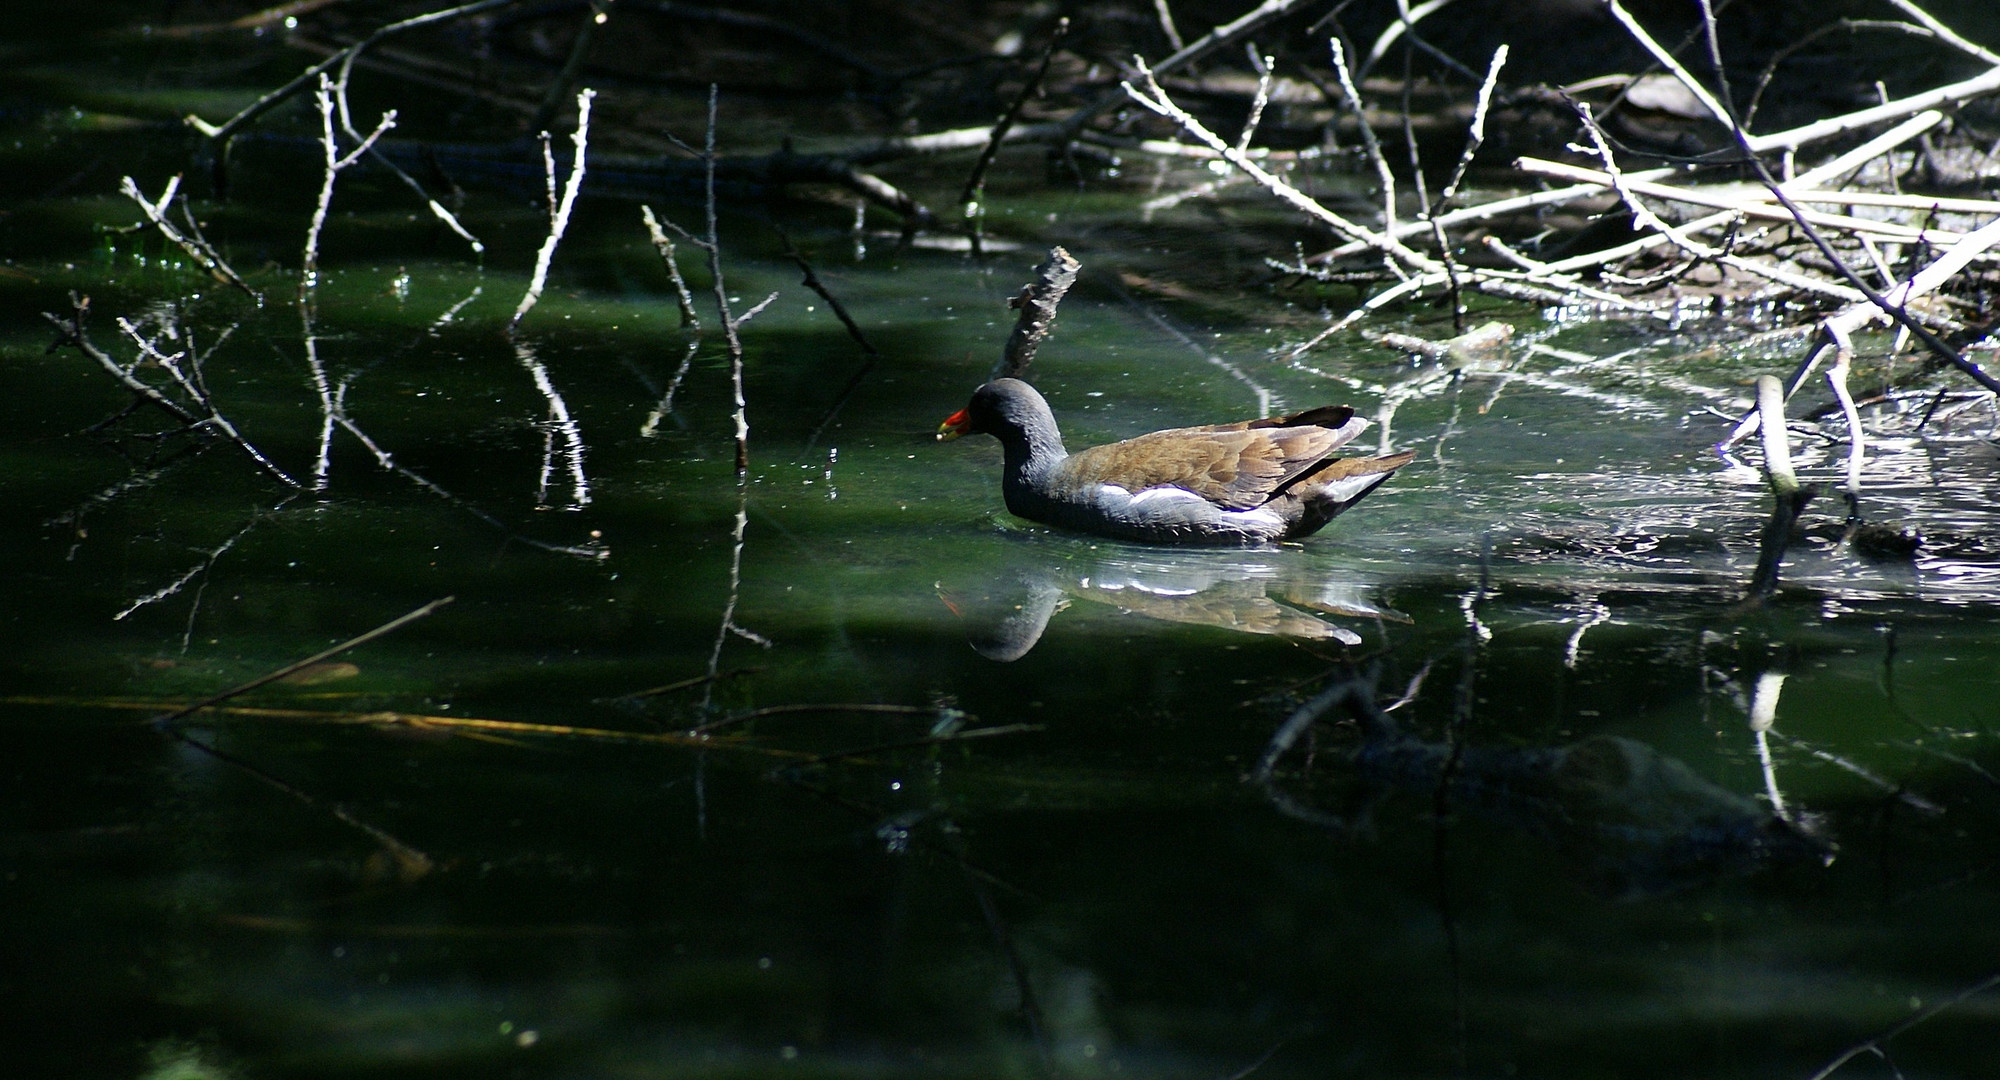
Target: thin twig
(1167, 26)
(375, 154)
(1475, 136)
(727, 625)
(1874, 1045)
(560, 422)
(651, 426)
(812, 281)
(713, 247)
(870, 357)
(975, 183)
(323, 459)
(664, 244)
(1258, 101)
(305, 78)
(1369, 144)
(684, 684)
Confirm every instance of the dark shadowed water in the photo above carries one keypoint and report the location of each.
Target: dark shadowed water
(981, 799)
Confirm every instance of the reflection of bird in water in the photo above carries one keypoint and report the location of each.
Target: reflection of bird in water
(1634, 822)
(1254, 482)
(1270, 593)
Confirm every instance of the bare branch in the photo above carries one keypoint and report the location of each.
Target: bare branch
(344, 57)
(309, 264)
(203, 253)
(975, 184)
(665, 246)
(558, 211)
(170, 719)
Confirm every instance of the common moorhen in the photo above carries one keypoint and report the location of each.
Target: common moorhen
(1258, 481)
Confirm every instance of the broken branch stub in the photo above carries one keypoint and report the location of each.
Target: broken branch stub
(1037, 304)
(1788, 496)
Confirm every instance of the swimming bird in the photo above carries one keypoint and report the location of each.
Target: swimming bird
(1252, 482)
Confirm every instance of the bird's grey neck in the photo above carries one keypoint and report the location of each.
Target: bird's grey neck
(1039, 449)
(1029, 461)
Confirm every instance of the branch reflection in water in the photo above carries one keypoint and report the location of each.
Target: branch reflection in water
(1006, 605)
(1633, 822)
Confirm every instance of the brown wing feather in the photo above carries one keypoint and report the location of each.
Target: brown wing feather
(1238, 466)
(1342, 468)
(1326, 416)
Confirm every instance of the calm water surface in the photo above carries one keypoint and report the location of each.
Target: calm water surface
(1073, 848)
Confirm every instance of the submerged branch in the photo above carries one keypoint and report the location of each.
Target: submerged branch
(170, 719)
(1788, 497)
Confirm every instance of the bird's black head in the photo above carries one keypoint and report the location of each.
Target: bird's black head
(997, 408)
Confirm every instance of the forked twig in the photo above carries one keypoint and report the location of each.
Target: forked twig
(309, 264)
(202, 252)
(559, 210)
(1874, 1045)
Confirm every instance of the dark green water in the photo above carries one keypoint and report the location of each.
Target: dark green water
(1095, 887)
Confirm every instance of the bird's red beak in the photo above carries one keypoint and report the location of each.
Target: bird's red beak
(954, 425)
